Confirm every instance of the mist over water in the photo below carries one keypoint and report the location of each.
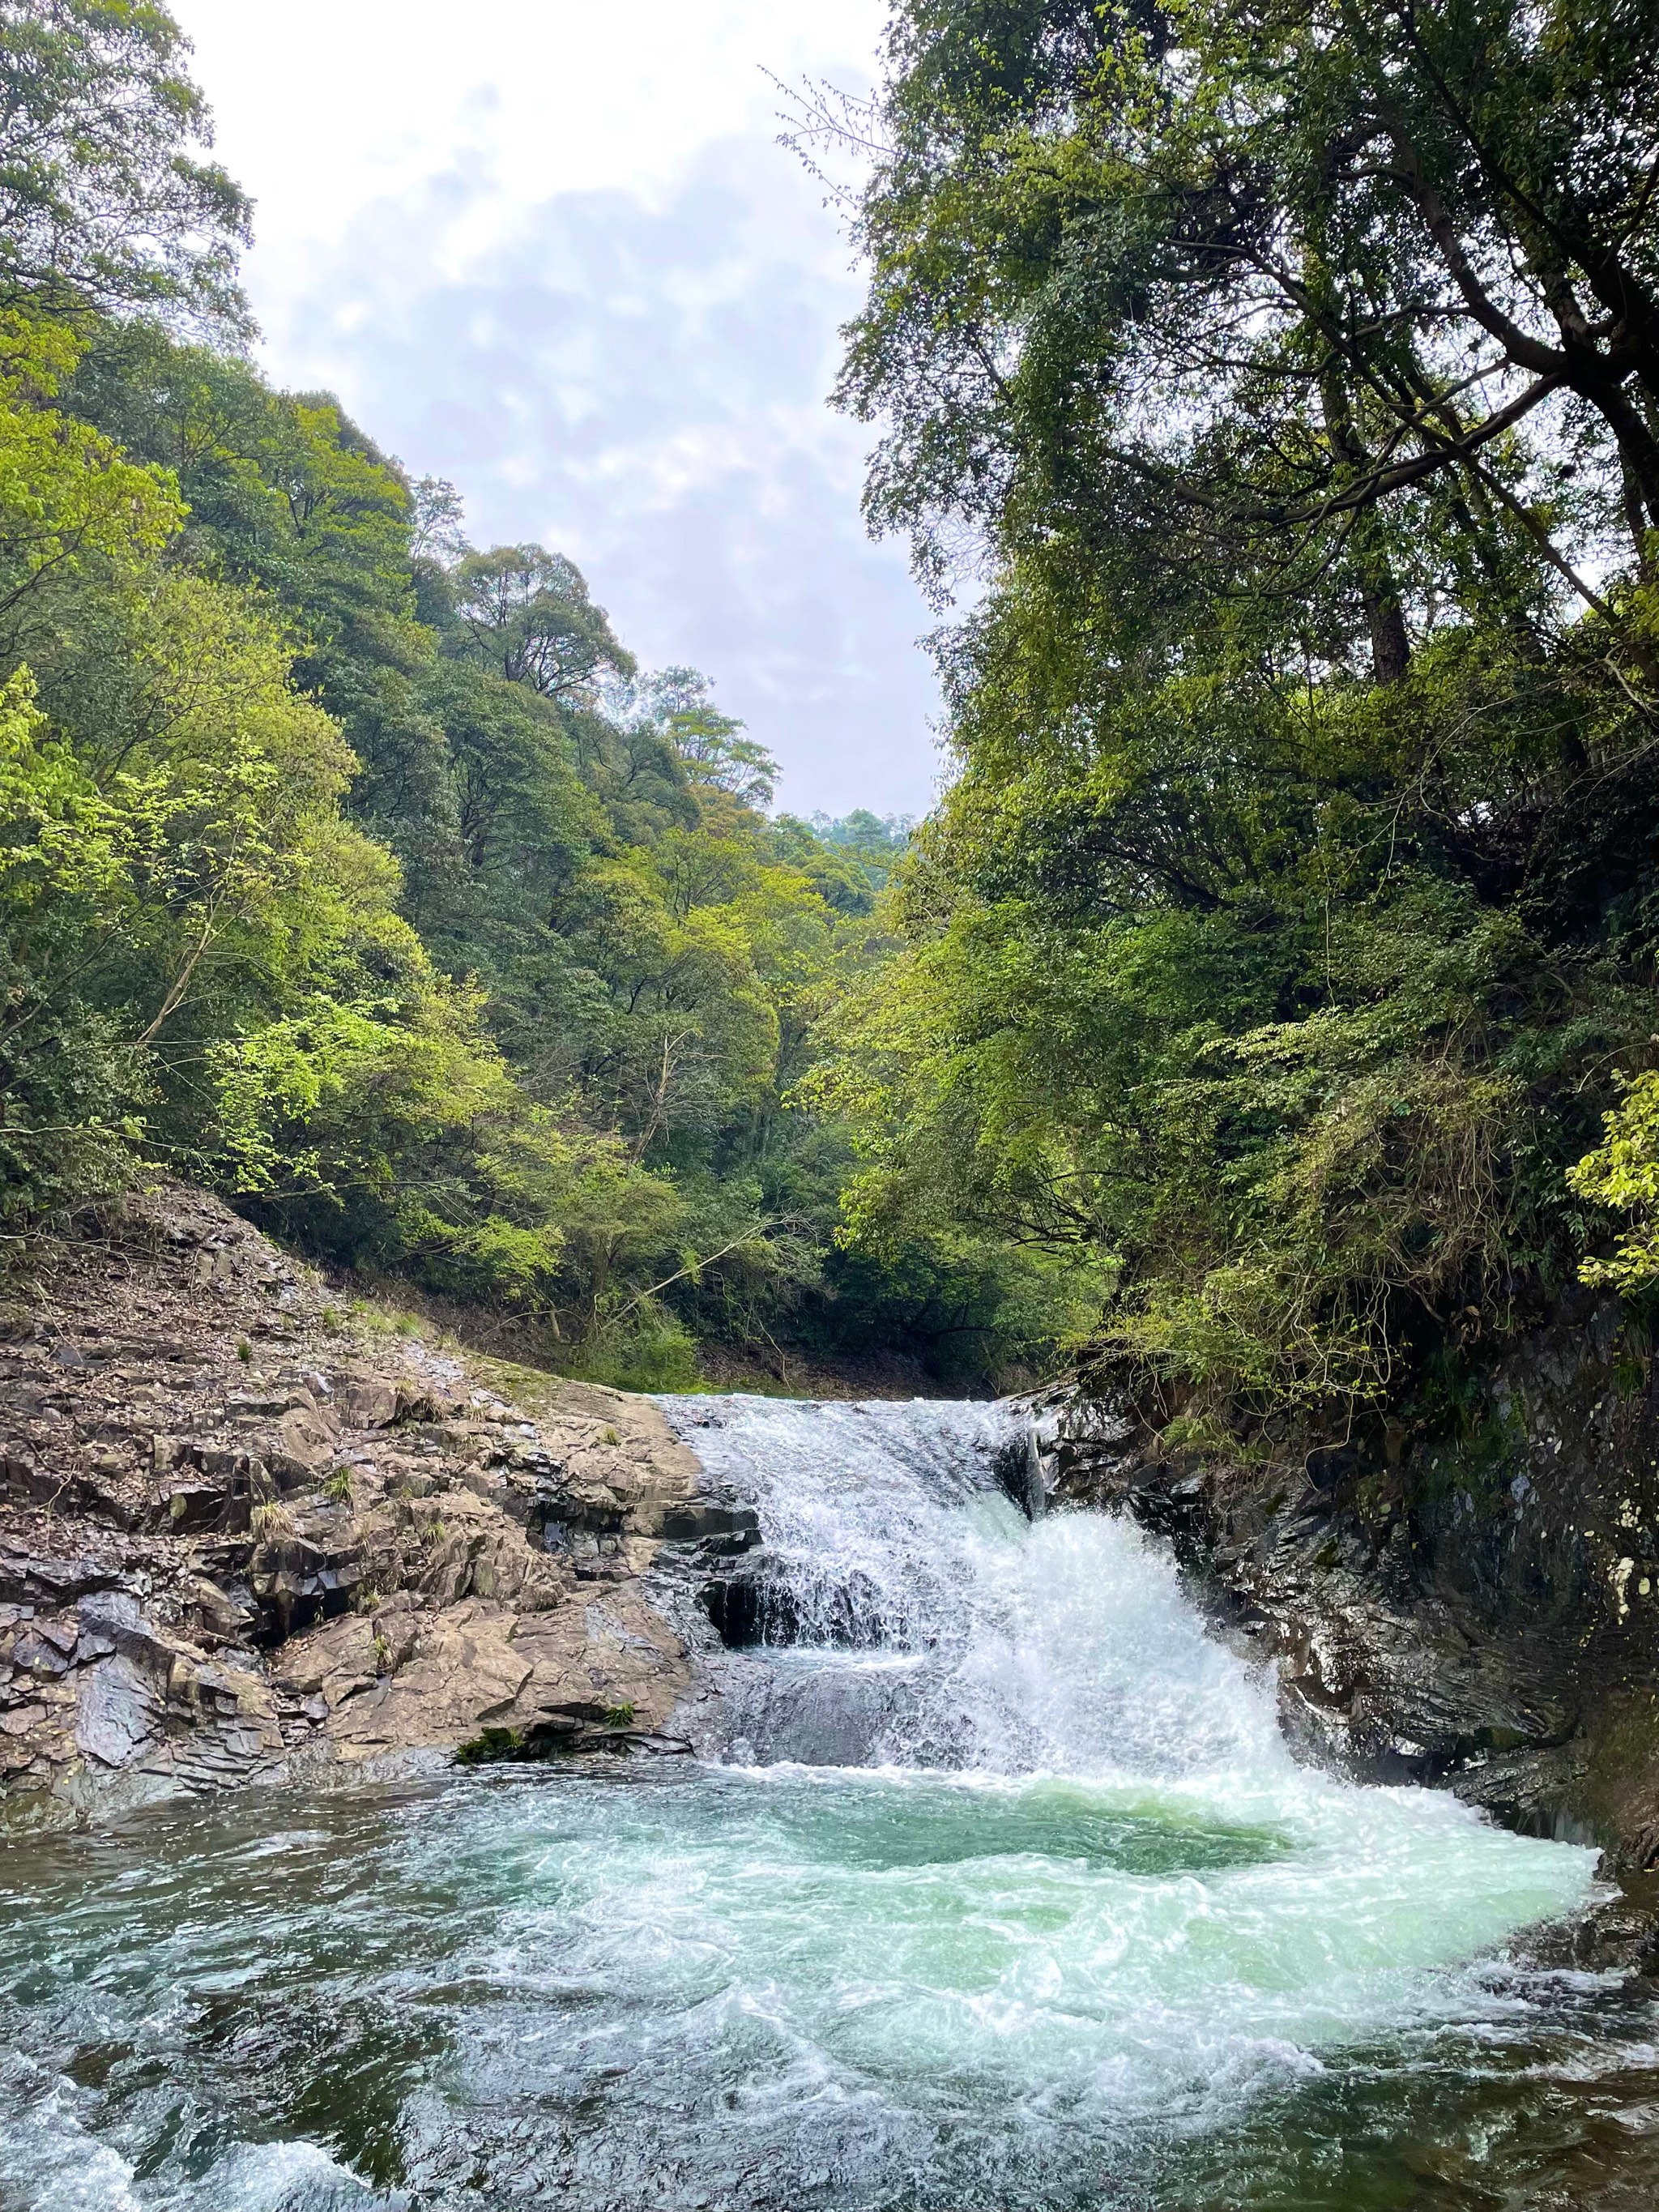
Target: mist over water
(1003, 1893)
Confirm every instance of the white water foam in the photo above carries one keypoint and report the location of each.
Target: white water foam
(1006, 1891)
(981, 1642)
(1059, 1667)
(49, 2161)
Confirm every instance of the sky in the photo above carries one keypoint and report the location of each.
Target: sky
(553, 251)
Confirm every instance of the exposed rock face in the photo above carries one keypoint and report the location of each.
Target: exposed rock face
(1477, 1609)
(238, 1539)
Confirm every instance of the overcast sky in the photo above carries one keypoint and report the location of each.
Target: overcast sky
(552, 251)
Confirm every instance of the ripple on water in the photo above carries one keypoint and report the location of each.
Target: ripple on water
(931, 1990)
(1074, 1933)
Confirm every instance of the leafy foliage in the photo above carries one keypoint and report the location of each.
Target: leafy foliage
(104, 201)
(1289, 373)
(1623, 1173)
(359, 871)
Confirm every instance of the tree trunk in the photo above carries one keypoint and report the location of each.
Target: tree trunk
(1391, 645)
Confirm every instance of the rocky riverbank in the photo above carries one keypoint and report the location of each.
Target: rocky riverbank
(245, 1536)
(1472, 1603)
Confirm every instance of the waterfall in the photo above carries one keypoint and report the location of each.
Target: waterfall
(994, 1891)
(906, 1612)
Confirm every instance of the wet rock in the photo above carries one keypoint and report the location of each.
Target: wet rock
(119, 1713)
(744, 1612)
(1476, 1607)
(731, 1527)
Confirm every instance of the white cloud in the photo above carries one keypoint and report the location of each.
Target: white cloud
(564, 262)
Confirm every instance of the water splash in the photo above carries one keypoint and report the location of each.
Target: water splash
(929, 1624)
(1006, 1898)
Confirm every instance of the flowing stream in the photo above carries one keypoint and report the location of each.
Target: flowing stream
(997, 1889)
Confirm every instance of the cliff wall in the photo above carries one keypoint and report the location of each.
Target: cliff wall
(1475, 1603)
(245, 1536)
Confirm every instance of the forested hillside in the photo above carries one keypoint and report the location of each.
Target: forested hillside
(1284, 947)
(363, 875)
(1270, 1003)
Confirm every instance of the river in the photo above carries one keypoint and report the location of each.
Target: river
(1000, 1891)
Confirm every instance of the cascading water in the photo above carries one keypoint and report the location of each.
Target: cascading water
(926, 1625)
(1003, 1896)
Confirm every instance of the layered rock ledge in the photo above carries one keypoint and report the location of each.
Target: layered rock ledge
(1476, 1608)
(245, 1537)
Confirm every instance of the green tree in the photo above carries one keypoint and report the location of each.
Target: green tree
(1622, 1174)
(105, 201)
(1287, 373)
(346, 866)
(1276, 289)
(529, 618)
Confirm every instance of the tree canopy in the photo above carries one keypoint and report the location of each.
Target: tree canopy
(1266, 1009)
(1288, 374)
(361, 872)
(105, 200)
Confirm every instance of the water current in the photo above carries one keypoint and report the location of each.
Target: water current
(996, 1891)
